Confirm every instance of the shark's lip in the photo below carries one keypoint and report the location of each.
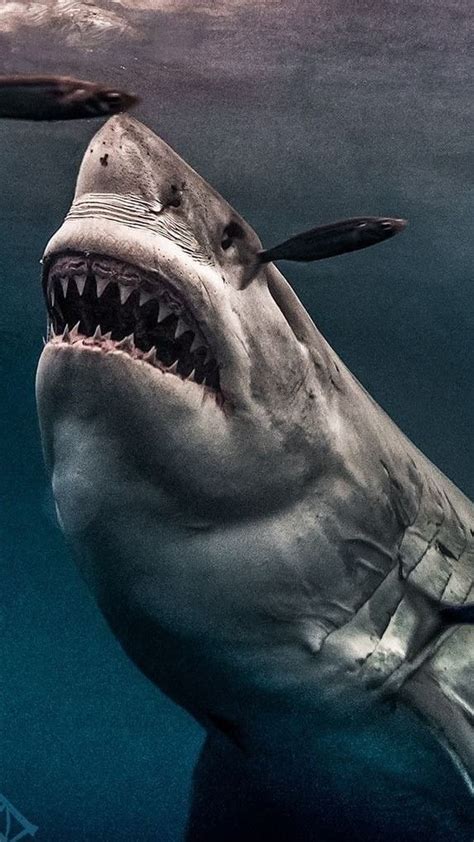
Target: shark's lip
(97, 300)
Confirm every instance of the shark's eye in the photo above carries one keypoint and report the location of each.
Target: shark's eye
(232, 231)
(112, 101)
(112, 96)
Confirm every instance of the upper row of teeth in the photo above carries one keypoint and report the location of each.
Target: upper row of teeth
(125, 291)
(165, 309)
(101, 284)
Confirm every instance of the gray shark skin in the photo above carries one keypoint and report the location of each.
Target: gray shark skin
(251, 545)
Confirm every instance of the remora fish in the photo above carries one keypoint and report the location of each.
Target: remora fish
(59, 98)
(249, 519)
(336, 238)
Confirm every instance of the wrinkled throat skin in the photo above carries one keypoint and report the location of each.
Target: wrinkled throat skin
(249, 520)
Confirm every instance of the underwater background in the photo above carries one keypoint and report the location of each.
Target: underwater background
(299, 113)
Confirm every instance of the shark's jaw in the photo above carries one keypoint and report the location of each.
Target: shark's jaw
(96, 300)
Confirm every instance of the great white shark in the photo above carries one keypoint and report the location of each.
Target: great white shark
(266, 545)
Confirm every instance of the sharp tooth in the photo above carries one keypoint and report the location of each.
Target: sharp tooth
(181, 328)
(51, 296)
(192, 376)
(74, 333)
(80, 282)
(97, 333)
(101, 284)
(125, 292)
(150, 356)
(165, 311)
(53, 333)
(64, 284)
(173, 369)
(145, 296)
(198, 342)
(65, 336)
(107, 335)
(126, 344)
(45, 341)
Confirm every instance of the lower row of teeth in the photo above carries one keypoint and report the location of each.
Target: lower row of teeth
(127, 344)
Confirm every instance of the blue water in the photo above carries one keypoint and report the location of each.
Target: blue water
(299, 113)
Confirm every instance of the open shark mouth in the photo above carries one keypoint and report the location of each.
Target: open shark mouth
(97, 300)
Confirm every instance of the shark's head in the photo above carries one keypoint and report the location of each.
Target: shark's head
(199, 362)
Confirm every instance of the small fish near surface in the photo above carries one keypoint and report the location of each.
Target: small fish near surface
(335, 238)
(59, 98)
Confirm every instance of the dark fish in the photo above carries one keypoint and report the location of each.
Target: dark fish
(458, 613)
(59, 98)
(448, 613)
(335, 238)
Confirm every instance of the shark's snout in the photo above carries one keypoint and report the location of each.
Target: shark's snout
(125, 158)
